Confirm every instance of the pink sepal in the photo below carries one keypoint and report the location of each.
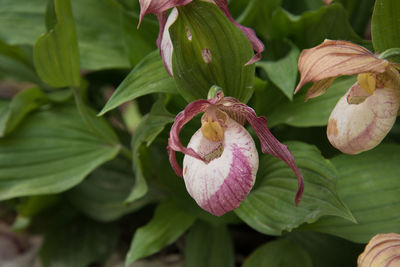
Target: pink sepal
(257, 45)
(269, 144)
(174, 163)
(158, 6)
(183, 117)
(162, 19)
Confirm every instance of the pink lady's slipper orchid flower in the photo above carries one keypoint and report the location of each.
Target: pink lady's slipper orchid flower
(382, 250)
(367, 112)
(160, 7)
(221, 160)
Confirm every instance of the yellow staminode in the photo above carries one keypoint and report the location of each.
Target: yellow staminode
(212, 130)
(367, 81)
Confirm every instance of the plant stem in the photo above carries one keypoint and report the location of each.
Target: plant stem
(390, 53)
(126, 152)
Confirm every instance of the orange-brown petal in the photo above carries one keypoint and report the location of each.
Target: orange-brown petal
(335, 58)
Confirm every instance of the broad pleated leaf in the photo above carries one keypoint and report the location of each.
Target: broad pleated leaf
(369, 184)
(209, 245)
(102, 195)
(256, 14)
(16, 63)
(168, 224)
(138, 42)
(21, 22)
(283, 72)
(386, 25)
(21, 105)
(56, 54)
(277, 253)
(51, 152)
(149, 76)
(358, 13)
(227, 48)
(301, 6)
(77, 242)
(100, 34)
(312, 27)
(148, 129)
(324, 249)
(314, 112)
(34, 205)
(270, 208)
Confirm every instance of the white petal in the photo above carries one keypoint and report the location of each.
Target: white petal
(354, 128)
(220, 185)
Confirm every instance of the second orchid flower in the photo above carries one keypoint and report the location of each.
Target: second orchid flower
(367, 112)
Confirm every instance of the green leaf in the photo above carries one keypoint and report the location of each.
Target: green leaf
(93, 123)
(301, 6)
(314, 112)
(209, 245)
(229, 48)
(283, 72)
(324, 249)
(34, 205)
(56, 54)
(101, 196)
(359, 13)
(369, 184)
(266, 98)
(19, 107)
(4, 104)
(281, 252)
(148, 77)
(31, 207)
(15, 63)
(101, 42)
(148, 129)
(270, 208)
(52, 152)
(312, 27)
(168, 224)
(21, 22)
(139, 42)
(257, 14)
(385, 26)
(78, 243)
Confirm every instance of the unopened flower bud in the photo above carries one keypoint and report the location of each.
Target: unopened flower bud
(382, 250)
